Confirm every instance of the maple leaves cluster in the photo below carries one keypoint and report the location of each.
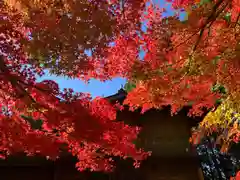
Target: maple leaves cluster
(38, 118)
(70, 122)
(185, 60)
(175, 63)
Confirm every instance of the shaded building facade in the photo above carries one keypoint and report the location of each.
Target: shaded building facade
(165, 135)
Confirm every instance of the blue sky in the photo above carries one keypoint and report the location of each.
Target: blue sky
(95, 87)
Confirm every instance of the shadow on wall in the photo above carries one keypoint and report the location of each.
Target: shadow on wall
(163, 134)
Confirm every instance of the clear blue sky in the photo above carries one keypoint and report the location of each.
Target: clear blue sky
(95, 87)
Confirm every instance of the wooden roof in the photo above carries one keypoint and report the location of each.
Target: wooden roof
(119, 96)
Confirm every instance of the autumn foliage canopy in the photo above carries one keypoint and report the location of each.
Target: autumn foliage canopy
(195, 61)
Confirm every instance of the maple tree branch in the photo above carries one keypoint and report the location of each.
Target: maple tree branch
(123, 8)
(14, 82)
(210, 20)
(32, 85)
(3, 67)
(236, 23)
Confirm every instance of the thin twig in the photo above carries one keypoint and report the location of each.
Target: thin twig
(236, 23)
(211, 19)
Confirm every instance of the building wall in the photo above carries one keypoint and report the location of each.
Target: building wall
(163, 134)
(166, 136)
(153, 169)
(26, 173)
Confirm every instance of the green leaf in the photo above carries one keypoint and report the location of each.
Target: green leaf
(227, 17)
(160, 72)
(222, 89)
(219, 88)
(169, 68)
(35, 124)
(216, 60)
(129, 86)
(135, 141)
(219, 101)
(202, 2)
(190, 103)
